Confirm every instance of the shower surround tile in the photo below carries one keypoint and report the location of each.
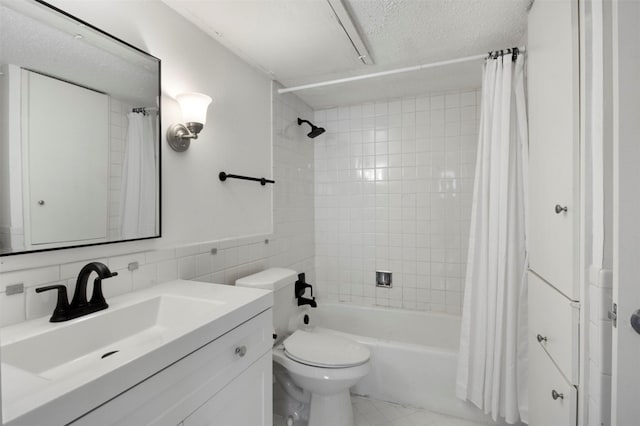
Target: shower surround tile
(393, 191)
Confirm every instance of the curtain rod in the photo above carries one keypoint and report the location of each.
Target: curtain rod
(391, 72)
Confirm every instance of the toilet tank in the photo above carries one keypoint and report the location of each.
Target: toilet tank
(282, 282)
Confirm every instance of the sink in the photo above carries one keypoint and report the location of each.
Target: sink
(86, 343)
(57, 372)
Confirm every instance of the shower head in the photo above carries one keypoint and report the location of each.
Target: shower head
(315, 130)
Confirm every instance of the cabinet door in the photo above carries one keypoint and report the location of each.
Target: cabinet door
(552, 400)
(245, 401)
(553, 78)
(553, 325)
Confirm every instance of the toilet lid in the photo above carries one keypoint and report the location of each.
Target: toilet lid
(325, 350)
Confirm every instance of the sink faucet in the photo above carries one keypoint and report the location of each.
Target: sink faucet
(79, 305)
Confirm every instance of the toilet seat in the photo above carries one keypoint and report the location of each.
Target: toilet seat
(325, 350)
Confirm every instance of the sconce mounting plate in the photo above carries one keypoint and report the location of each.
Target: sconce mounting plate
(176, 137)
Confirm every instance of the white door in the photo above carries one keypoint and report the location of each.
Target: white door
(67, 160)
(626, 228)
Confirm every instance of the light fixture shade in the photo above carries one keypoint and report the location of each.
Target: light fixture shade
(194, 107)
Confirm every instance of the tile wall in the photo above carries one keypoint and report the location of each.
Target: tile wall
(293, 193)
(393, 191)
(290, 245)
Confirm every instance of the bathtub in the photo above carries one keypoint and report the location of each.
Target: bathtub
(413, 354)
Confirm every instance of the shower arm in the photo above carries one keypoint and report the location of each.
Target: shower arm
(300, 121)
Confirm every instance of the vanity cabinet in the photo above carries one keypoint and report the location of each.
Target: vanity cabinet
(226, 382)
(554, 211)
(245, 401)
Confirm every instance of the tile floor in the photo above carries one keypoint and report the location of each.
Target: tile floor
(369, 412)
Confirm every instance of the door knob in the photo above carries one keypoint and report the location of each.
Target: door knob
(540, 338)
(555, 395)
(41, 202)
(560, 209)
(635, 321)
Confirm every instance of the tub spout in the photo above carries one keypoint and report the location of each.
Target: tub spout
(304, 301)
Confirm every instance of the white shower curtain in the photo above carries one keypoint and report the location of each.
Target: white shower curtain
(492, 365)
(139, 178)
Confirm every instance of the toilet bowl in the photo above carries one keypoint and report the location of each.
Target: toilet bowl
(316, 368)
(326, 366)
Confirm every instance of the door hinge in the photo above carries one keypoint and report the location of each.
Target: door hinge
(613, 315)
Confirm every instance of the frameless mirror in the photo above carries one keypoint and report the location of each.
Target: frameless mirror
(79, 133)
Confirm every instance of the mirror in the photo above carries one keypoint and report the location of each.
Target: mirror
(79, 133)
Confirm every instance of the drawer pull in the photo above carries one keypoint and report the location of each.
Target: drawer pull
(555, 395)
(560, 209)
(541, 338)
(241, 351)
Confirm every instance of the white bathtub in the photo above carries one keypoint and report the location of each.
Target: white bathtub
(413, 354)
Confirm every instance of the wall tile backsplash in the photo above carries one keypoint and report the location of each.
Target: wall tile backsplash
(291, 244)
(393, 191)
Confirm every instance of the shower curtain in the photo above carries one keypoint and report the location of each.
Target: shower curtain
(492, 364)
(139, 178)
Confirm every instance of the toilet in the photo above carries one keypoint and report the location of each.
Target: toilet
(314, 367)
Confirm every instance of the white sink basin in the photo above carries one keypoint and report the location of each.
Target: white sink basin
(86, 343)
(60, 371)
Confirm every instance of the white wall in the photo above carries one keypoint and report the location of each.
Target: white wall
(394, 184)
(196, 205)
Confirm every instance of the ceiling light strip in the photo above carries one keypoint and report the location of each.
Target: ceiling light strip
(344, 20)
(386, 73)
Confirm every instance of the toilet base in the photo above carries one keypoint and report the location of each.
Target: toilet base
(331, 410)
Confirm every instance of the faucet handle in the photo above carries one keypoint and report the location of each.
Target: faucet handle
(62, 305)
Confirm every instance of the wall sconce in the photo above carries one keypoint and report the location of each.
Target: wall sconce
(194, 113)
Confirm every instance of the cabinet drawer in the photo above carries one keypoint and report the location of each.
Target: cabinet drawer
(170, 395)
(553, 325)
(552, 400)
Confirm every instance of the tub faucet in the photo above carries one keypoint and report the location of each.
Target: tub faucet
(301, 286)
(79, 305)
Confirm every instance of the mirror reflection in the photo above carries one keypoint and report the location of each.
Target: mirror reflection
(79, 133)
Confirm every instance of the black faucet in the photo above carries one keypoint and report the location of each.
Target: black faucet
(301, 286)
(79, 305)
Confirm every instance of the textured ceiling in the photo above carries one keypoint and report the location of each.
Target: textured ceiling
(35, 38)
(299, 41)
(402, 32)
